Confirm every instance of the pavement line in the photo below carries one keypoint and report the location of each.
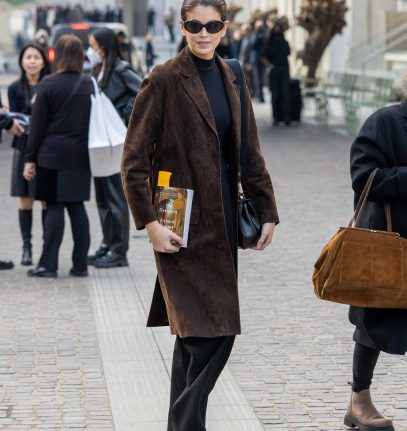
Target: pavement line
(137, 361)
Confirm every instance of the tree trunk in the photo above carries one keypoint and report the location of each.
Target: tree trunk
(315, 47)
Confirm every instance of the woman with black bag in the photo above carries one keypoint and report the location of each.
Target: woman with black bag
(187, 120)
(120, 84)
(34, 66)
(57, 156)
(380, 144)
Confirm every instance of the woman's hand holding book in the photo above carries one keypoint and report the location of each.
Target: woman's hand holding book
(163, 239)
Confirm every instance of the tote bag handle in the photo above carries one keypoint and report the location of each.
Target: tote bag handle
(355, 220)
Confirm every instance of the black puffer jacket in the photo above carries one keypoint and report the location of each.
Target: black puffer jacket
(122, 88)
(5, 120)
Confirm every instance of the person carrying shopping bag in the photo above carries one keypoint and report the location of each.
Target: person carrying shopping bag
(120, 84)
(186, 122)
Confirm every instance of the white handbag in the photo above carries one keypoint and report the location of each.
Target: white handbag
(107, 133)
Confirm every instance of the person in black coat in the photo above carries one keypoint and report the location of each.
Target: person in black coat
(150, 53)
(7, 122)
(275, 56)
(120, 84)
(57, 156)
(381, 143)
(34, 66)
(260, 37)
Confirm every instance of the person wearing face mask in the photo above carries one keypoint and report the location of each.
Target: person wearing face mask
(275, 55)
(120, 84)
(186, 121)
(34, 66)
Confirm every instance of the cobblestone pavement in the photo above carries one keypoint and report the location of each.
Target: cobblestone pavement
(293, 359)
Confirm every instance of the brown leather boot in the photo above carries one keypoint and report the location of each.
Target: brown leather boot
(362, 414)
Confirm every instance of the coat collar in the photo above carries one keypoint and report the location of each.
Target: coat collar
(193, 86)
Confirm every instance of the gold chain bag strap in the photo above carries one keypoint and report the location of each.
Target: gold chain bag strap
(363, 267)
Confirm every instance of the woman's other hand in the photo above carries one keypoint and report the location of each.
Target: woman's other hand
(29, 171)
(162, 238)
(266, 236)
(16, 129)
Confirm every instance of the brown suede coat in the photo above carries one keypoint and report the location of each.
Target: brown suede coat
(172, 129)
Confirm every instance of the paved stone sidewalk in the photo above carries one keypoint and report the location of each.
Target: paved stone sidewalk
(294, 359)
(58, 364)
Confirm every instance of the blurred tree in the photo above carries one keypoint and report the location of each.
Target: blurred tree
(233, 10)
(322, 19)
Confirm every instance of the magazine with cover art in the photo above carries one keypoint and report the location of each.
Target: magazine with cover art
(174, 205)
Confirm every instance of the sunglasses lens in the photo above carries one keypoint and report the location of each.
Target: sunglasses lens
(193, 27)
(214, 27)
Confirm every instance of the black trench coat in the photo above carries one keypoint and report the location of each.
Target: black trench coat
(172, 129)
(382, 143)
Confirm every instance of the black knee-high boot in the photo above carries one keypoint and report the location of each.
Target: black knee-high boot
(43, 216)
(25, 218)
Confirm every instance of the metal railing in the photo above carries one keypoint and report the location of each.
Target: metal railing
(379, 42)
(379, 52)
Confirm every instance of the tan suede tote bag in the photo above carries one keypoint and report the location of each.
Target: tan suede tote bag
(363, 267)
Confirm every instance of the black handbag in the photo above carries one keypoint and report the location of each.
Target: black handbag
(249, 226)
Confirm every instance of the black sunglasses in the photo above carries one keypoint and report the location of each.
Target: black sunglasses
(196, 27)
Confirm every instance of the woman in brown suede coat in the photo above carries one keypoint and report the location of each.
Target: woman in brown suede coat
(186, 120)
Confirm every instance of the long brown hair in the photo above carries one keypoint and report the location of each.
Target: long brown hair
(69, 54)
(219, 5)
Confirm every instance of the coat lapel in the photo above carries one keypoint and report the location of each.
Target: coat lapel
(193, 86)
(233, 93)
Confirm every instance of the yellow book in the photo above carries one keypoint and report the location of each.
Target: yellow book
(173, 205)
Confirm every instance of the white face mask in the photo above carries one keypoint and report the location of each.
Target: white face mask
(93, 56)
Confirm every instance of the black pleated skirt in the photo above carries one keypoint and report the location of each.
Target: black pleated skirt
(54, 185)
(20, 187)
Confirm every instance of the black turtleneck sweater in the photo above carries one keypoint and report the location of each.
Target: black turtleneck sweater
(212, 81)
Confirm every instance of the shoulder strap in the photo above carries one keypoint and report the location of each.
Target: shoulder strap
(75, 88)
(238, 71)
(96, 88)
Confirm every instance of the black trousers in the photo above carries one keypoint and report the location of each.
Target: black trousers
(54, 232)
(196, 366)
(280, 93)
(259, 74)
(364, 363)
(113, 213)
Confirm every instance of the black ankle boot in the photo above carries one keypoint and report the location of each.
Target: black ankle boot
(25, 218)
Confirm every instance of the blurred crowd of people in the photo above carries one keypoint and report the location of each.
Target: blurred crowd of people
(49, 114)
(259, 44)
(47, 16)
(263, 51)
